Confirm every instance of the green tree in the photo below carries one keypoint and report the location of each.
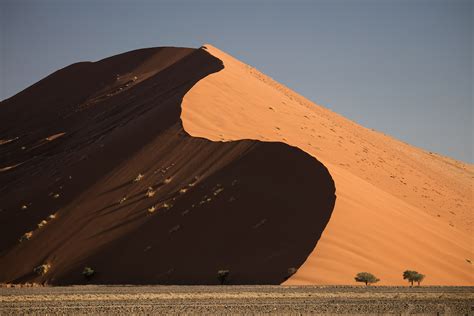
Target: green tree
(419, 278)
(411, 276)
(366, 277)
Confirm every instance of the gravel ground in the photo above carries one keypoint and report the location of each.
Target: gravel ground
(237, 300)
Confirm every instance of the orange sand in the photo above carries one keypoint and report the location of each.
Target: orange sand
(398, 207)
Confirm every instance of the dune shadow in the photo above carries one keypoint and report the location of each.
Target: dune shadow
(271, 207)
(258, 212)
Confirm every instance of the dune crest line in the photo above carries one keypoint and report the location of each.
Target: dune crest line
(126, 192)
(398, 207)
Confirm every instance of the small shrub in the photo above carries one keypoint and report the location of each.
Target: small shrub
(88, 272)
(26, 236)
(139, 177)
(42, 223)
(366, 277)
(42, 269)
(150, 193)
(222, 276)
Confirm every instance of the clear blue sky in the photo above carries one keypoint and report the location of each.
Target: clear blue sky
(403, 67)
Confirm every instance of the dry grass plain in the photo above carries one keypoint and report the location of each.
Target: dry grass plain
(237, 300)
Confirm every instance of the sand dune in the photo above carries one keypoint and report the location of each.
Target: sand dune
(164, 165)
(398, 207)
(125, 190)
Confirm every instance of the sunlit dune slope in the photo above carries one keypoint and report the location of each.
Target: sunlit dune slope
(398, 207)
(165, 165)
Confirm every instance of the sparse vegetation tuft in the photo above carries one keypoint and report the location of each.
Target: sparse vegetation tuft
(150, 193)
(366, 277)
(222, 276)
(42, 269)
(88, 272)
(42, 223)
(139, 177)
(26, 236)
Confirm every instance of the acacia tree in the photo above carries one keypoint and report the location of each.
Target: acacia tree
(366, 277)
(413, 276)
(410, 276)
(419, 278)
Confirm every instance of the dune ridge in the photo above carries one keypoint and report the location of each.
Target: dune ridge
(398, 207)
(135, 157)
(107, 178)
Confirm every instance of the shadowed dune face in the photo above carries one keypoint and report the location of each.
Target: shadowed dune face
(132, 195)
(257, 216)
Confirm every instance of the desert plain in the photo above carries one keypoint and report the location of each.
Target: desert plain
(238, 300)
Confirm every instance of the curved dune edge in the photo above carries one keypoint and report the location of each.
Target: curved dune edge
(398, 207)
(129, 193)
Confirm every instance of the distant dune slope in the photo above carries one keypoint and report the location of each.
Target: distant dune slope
(96, 170)
(398, 207)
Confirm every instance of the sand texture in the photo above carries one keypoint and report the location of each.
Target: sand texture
(165, 165)
(398, 207)
(237, 300)
(109, 179)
